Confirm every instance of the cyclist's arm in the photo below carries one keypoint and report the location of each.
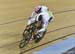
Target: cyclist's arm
(31, 18)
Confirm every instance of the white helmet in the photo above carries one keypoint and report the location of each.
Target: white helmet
(44, 9)
(39, 9)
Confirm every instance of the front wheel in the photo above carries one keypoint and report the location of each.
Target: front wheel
(26, 38)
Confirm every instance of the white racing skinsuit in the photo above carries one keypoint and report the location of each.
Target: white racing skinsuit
(46, 16)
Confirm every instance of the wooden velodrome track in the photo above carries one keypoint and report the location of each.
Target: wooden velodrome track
(13, 19)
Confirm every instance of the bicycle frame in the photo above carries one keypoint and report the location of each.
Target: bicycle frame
(32, 28)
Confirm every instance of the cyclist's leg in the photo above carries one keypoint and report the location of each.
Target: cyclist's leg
(39, 36)
(42, 32)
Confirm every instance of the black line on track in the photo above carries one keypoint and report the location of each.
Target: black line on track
(27, 18)
(61, 28)
(64, 11)
(12, 21)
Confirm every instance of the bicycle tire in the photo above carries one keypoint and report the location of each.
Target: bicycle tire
(25, 40)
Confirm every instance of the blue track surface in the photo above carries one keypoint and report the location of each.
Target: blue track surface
(58, 48)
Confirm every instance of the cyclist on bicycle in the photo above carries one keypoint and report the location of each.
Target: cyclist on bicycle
(43, 17)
